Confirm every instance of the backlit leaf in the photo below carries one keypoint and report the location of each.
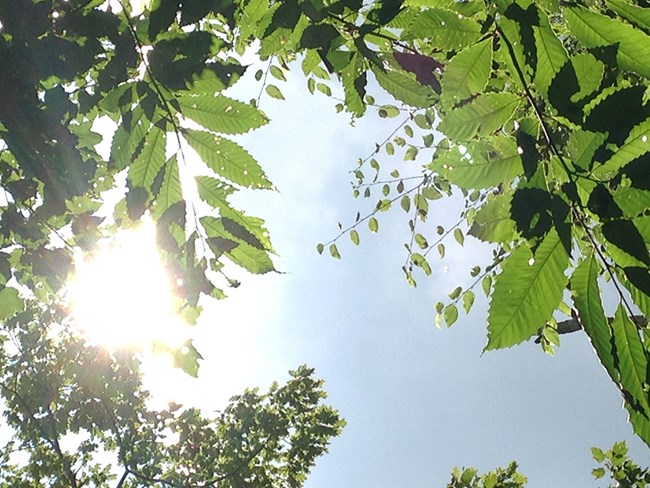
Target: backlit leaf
(221, 114)
(227, 159)
(632, 360)
(526, 292)
(482, 116)
(595, 30)
(586, 297)
(468, 72)
(151, 159)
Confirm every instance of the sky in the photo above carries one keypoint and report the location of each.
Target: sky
(417, 400)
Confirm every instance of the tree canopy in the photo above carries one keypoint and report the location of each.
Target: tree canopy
(536, 112)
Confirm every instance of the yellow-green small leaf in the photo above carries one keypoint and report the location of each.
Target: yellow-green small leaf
(468, 301)
(274, 92)
(334, 252)
(458, 235)
(354, 237)
(373, 224)
(450, 314)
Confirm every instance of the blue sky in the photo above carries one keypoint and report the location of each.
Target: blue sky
(417, 400)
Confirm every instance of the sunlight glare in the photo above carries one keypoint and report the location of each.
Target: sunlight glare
(121, 294)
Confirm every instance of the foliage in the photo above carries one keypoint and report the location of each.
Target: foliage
(508, 477)
(80, 417)
(617, 465)
(541, 123)
(620, 468)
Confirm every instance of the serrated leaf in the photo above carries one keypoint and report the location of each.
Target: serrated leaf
(551, 56)
(354, 237)
(404, 88)
(468, 300)
(492, 162)
(492, 222)
(221, 114)
(595, 30)
(632, 361)
(128, 136)
(450, 314)
(150, 160)
(636, 144)
(525, 295)
(444, 29)
(334, 252)
(482, 116)
(640, 16)
(171, 191)
(586, 297)
(227, 159)
(274, 92)
(589, 74)
(468, 72)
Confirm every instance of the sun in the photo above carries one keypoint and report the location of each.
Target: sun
(121, 296)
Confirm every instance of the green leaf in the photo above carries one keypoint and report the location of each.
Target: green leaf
(213, 191)
(274, 92)
(636, 144)
(632, 361)
(486, 284)
(482, 116)
(640, 16)
(468, 300)
(468, 72)
(421, 241)
(458, 235)
(354, 237)
(277, 73)
(227, 159)
(492, 222)
(586, 297)
(450, 314)
(187, 358)
(373, 224)
(353, 77)
(551, 56)
(491, 162)
(221, 114)
(405, 203)
(420, 261)
(320, 248)
(444, 29)
(151, 159)
(404, 88)
(526, 292)
(595, 30)
(334, 252)
(10, 303)
(170, 191)
(624, 235)
(589, 73)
